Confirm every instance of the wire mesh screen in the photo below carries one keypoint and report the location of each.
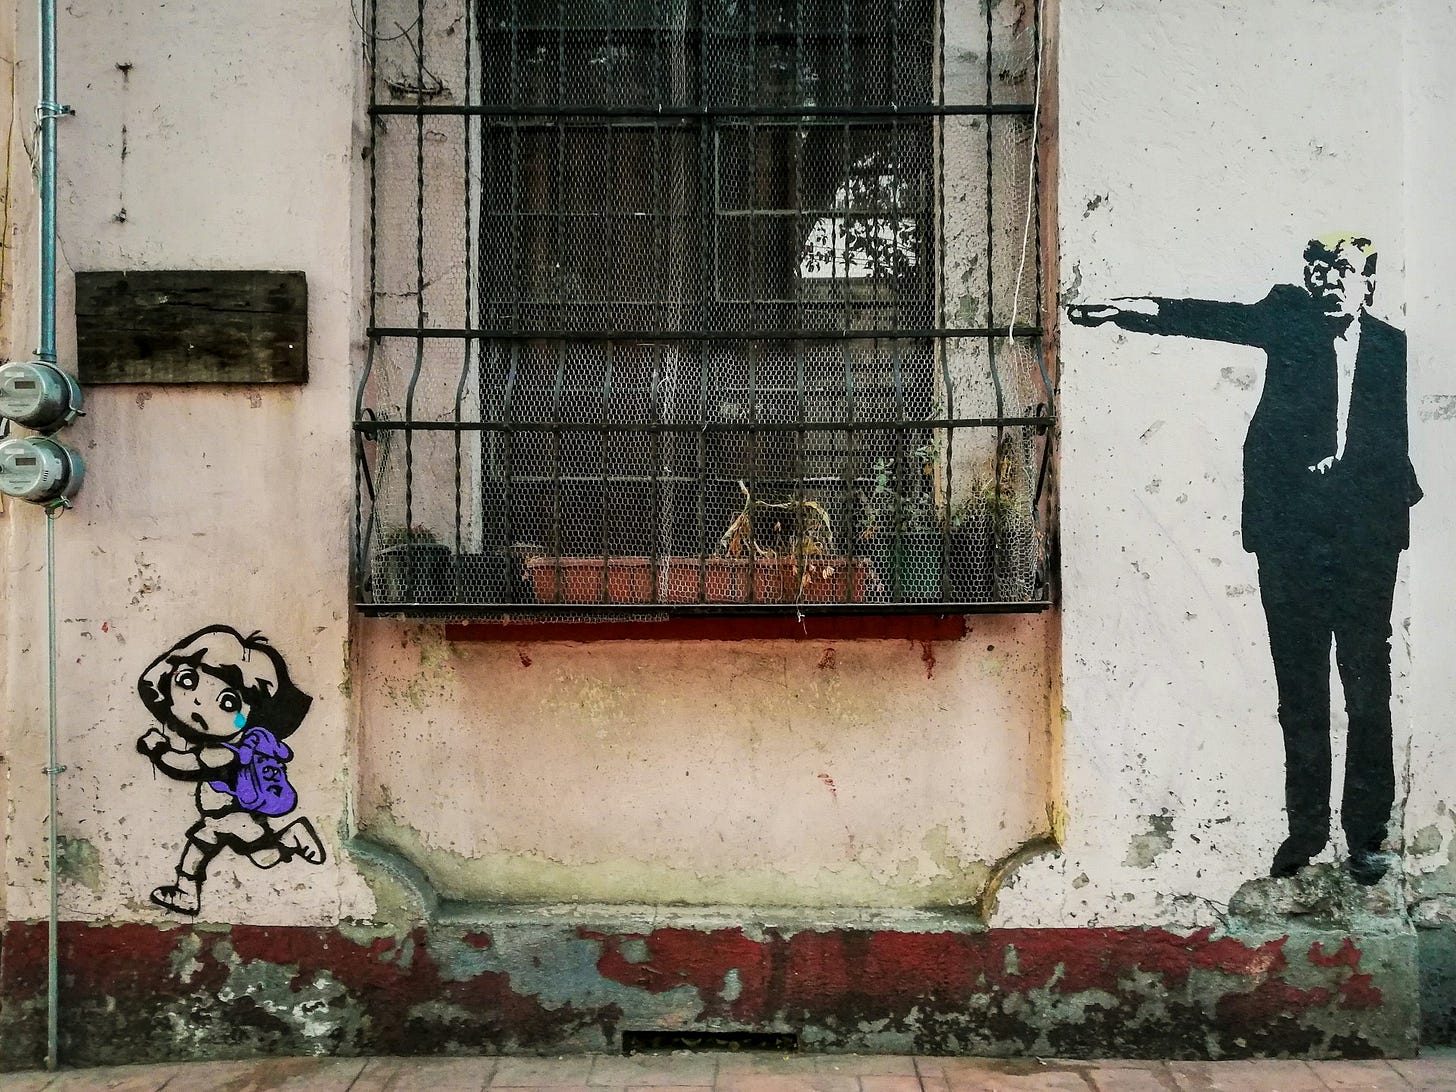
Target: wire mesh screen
(702, 305)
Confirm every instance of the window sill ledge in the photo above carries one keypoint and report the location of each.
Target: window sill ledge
(810, 627)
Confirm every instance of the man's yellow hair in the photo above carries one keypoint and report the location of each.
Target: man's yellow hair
(1332, 243)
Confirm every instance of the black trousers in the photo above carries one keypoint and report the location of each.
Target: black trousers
(1312, 595)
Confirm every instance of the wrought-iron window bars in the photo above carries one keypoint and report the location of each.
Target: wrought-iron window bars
(667, 311)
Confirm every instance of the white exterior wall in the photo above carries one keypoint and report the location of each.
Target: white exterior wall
(1429, 31)
(201, 505)
(1200, 145)
(1201, 148)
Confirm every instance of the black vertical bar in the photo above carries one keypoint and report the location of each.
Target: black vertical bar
(557, 528)
(459, 435)
(361, 543)
(508, 467)
(560, 205)
(755, 91)
(363, 531)
(755, 439)
(1038, 548)
(801, 459)
(996, 529)
(702, 469)
(842, 217)
(612, 98)
(991, 220)
(660, 203)
(469, 347)
(847, 471)
(656, 393)
(798, 52)
(902, 454)
(610, 315)
(1037, 48)
(935, 260)
(801, 136)
(710, 262)
(514, 585)
(606, 439)
(841, 224)
(376, 123)
(409, 410)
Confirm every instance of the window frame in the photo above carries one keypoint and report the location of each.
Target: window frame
(913, 426)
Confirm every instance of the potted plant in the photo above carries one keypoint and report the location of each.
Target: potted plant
(903, 527)
(410, 566)
(987, 528)
(771, 552)
(786, 549)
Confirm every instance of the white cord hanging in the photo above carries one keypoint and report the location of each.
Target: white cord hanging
(1030, 182)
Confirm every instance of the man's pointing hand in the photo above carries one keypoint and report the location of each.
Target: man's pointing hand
(1095, 314)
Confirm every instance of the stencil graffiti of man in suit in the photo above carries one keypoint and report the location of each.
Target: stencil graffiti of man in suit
(1328, 487)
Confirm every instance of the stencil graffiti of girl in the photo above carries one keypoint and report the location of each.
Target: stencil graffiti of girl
(223, 704)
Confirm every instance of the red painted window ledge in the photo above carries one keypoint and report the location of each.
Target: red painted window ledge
(813, 627)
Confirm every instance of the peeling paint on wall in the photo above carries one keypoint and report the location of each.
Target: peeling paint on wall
(1145, 848)
(138, 992)
(79, 861)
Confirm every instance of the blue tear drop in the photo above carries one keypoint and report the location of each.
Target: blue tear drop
(239, 720)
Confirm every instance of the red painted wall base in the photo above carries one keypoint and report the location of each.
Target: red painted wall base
(145, 993)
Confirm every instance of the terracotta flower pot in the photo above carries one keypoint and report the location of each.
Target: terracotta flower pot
(691, 580)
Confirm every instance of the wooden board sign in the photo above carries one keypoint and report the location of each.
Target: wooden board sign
(192, 326)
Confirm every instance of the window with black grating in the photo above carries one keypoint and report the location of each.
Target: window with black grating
(703, 305)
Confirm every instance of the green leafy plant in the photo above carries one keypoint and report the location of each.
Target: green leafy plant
(995, 493)
(905, 504)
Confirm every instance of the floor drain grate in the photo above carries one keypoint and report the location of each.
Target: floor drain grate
(647, 1042)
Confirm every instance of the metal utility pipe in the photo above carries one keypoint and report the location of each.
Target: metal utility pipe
(53, 769)
(48, 110)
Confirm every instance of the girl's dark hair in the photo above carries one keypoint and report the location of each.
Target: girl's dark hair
(279, 710)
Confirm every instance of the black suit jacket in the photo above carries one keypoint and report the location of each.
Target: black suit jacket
(1362, 504)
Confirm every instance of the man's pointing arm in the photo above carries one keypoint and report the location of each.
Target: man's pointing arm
(1209, 320)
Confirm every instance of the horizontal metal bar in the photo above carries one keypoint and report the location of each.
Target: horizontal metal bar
(919, 333)
(628, 215)
(819, 482)
(536, 32)
(861, 212)
(931, 110)
(792, 608)
(372, 426)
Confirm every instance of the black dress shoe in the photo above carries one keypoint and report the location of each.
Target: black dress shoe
(1293, 855)
(1367, 866)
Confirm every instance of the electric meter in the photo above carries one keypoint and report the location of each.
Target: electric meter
(38, 395)
(39, 469)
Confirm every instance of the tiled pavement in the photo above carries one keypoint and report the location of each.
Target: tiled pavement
(747, 1073)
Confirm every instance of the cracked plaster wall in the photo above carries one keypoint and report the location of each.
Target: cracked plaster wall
(883, 773)
(731, 773)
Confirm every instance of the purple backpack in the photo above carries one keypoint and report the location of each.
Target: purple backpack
(262, 784)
